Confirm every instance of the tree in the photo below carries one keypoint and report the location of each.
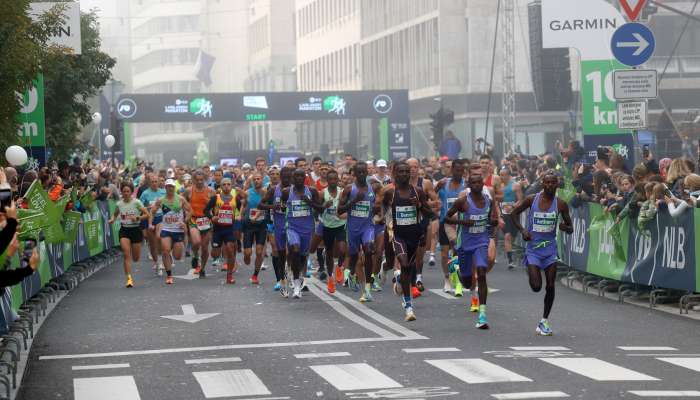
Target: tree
(69, 82)
(23, 50)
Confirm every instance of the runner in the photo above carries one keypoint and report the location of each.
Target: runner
(254, 226)
(317, 243)
(512, 194)
(427, 186)
(223, 209)
(379, 233)
(334, 232)
(299, 200)
(477, 214)
(544, 209)
(174, 208)
(200, 225)
(273, 201)
(131, 212)
(449, 189)
(358, 200)
(405, 230)
(148, 198)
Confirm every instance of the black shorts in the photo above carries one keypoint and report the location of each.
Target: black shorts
(222, 235)
(406, 246)
(442, 235)
(254, 233)
(509, 225)
(134, 234)
(333, 235)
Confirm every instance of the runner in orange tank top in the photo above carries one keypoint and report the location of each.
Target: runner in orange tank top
(199, 225)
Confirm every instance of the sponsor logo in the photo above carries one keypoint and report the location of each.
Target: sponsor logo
(256, 117)
(583, 24)
(198, 106)
(313, 104)
(382, 104)
(126, 108)
(334, 105)
(255, 102)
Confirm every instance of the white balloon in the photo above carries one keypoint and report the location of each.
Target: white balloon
(109, 141)
(97, 118)
(16, 155)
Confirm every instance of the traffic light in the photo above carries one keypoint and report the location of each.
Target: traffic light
(436, 125)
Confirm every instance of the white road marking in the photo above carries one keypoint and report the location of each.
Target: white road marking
(476, 370)
(690, 363)
(431, 350)
(647, 348)
(540, 348)
(267, 398)
(359, 376)
(598, 370)
(345, 312)
(188, 277)
(322, 355)
(665, 393)
(102, 366)
(407, 333)
(450, 296)
(189, 315)
(529, 395)
(106, 388)
(230, 383)
(664, 355)
(223, 347)
(212, 360)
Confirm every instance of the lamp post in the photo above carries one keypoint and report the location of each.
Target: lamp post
(112, 90)
(109, 142)
(97, 120)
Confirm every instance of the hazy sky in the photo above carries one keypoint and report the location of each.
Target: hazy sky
(106, 6)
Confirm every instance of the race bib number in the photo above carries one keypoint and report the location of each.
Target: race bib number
(171, 219)
(544, 222)
(406, 216)
(451, 201)
(256, 215)
(225, 217)
(300, 209)
(203, 223)
(332, 211)
(480, 223)
(361, 209)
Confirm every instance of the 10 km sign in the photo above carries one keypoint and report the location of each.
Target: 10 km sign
(632, 8)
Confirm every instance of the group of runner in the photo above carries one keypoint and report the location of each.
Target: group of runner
(377, 221)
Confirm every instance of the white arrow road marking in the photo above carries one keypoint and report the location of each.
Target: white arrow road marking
(189, 315)
(641, 44)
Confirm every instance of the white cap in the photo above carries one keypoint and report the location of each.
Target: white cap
(170, 182)
(246, 165)
(369, 163)
(382, 163)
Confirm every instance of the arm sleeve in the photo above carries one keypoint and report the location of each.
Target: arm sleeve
(9, 277)
(676, 211)
(7, 234)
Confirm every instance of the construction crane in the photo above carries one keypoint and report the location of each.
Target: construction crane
(508, 95)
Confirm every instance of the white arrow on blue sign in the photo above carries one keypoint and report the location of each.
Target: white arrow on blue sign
(633, 44)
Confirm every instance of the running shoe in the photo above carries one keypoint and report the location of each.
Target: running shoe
(544, 328)
(304, 287)
(396, 283)
(168, 280)
(366, 294)
(230, 279)
(431, 261)
(277, 287)
(511, 266)
(346, 277)
(129, 282)
(296, 290)
(322, 276)
(331, 286)
(376, 286)
(475, 304)
(353, 284)
(202, 273)
(161, 268)
(224, 267)
(482, 323)
(410, 315)
(339, 275)
(254, 280)
(419, 285)
(216, 262)
(263, 267)
(284, 290)
(447, 288)
(415, 293)
(459, 289)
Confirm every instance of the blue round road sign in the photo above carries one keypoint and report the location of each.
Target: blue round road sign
(633, 44)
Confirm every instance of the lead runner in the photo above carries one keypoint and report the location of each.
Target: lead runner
(544, 209)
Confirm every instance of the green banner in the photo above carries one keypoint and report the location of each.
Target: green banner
(31, 221)
(603, 260)
(37, 197)
(598, 104)
(31, 130)
(92, 234)
(71, 222)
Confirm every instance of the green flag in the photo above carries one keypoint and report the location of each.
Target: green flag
(30, 223)
(92, 235)
(37, 197)
(71, 222)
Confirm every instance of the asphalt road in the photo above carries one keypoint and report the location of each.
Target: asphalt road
(104, 341)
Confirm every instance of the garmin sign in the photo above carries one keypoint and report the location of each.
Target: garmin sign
(582, 25)
(68, 34)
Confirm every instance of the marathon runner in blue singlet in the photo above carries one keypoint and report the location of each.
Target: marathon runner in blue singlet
(544, 209)
(478, 217)
(512, 193)
(448, 190)
(273, 202)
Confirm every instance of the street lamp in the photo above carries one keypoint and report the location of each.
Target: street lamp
(96, 119)
(16, 155)
(109, 142)
(112, 90)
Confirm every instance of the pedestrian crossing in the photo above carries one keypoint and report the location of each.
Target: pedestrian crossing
(222, 381)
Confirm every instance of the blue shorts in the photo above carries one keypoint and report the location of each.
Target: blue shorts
(157, 220)
(299, 239)
(379, 230)
(280, 236)
(472, 258)
(270, 228)
(176, 237)
(539, 259)
(356, 239)
(319, 229)
(222, 235)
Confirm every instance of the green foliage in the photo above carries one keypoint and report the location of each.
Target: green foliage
(70, 81)
(23, 49)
